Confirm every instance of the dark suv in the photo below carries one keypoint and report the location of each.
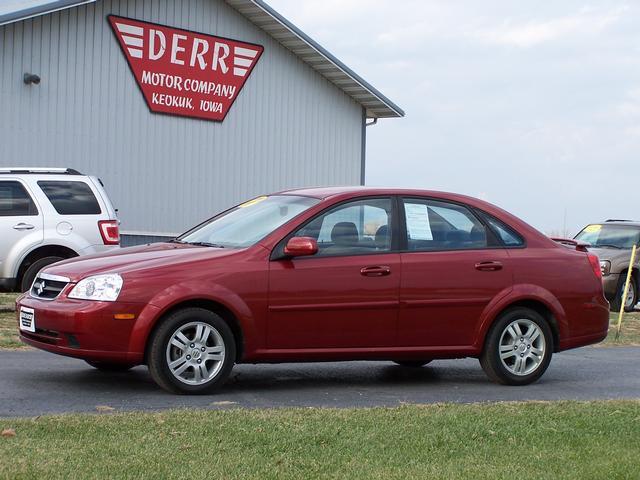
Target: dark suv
(613, 241)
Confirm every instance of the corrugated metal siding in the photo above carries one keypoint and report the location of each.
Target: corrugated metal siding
(289, 127)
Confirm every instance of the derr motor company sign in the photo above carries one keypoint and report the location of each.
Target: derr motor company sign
(185, 73)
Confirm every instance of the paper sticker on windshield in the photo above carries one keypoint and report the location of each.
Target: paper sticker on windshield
(593, 228)
(253, 202)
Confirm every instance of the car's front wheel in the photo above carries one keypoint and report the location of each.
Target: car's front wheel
(518, 347)
(192, 351)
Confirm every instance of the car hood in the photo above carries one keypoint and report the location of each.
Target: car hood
(128, 260)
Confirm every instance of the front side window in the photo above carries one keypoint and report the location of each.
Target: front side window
(15, 201)
(435, 225)
(353, 228)
(71, 198)
(250, 222)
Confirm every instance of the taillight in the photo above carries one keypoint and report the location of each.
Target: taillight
(595, 264)
(109, 231)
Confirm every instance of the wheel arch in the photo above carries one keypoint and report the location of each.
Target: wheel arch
(528, 296)
(214, 306)
(43, 251)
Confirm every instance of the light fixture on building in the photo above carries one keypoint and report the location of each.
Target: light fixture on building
(30, 78)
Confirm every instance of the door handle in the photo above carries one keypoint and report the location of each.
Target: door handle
(375, 271)
(489, 266)
(23, 226)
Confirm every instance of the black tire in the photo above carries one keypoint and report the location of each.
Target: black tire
(412, 363)
(616, 303)
(110, 367)
(490, 357)
(30, 274)
(157, 351)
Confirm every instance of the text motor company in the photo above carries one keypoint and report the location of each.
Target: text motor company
(185, 73)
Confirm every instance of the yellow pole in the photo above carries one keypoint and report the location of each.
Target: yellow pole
(626, 291)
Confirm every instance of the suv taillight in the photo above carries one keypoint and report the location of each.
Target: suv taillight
(109, 231)
(595, 264)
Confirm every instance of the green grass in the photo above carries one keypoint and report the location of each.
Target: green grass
(630, 332)
(532, 440)
(9, 331)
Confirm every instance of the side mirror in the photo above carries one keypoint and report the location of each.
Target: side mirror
(301, 247)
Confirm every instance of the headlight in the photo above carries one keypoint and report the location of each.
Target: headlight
(605, 266)
(104, 288)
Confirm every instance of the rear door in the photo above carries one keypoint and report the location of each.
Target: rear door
(452, 267)
(21, 225)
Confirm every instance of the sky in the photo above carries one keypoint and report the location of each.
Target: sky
(533, 106)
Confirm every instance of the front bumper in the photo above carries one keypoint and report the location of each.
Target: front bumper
(84, 329)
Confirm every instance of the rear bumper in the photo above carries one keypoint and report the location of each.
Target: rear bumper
(588, 325)
(85, 329)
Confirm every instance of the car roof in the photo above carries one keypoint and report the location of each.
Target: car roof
(360, 191)
(624, 223)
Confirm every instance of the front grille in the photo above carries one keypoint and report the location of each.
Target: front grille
(48, 287)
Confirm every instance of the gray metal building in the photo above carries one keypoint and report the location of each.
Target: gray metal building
(298, 121)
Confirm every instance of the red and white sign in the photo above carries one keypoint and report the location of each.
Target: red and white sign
(185, 73)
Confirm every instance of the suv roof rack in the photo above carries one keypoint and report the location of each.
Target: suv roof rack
(40, 170)
(617, 220)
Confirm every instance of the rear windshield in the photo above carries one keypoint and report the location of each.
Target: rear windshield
(71, 198)
(610, 236)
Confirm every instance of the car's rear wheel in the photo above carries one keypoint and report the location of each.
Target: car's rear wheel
(412, 363)
(192, 351)
(631, 300)
(33, 269)
(110, 366)
(518, 347)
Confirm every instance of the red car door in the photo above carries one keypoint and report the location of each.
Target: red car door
(345, 296)
(452, 267)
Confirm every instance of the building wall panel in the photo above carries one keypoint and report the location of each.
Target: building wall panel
(289, 127)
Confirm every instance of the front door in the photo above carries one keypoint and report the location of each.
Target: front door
(345, 296)
(20, 224)
(452, 268)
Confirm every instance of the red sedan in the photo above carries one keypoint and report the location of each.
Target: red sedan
(325, 274)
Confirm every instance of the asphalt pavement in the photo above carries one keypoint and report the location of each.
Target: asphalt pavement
(33, 383)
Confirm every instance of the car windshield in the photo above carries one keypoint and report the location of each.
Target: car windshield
(246, 224)
(610, 236)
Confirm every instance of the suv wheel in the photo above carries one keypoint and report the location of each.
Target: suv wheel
(632, 296)
(31, 272)
(192, 351)
(518, 347)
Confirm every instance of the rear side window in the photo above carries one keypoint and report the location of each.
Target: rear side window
(71, 198)
(435, 225)
(508, 236)
(15, 201)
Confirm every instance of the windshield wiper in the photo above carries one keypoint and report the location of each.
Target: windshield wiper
(205, 244)
(175, 240)
(607, 245)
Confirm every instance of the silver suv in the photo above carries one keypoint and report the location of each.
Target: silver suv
(47, 215)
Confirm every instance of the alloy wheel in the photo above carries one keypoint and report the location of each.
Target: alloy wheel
(195, 353)
(522, 347)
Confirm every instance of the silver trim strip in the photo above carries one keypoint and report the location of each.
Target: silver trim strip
(53, 278)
